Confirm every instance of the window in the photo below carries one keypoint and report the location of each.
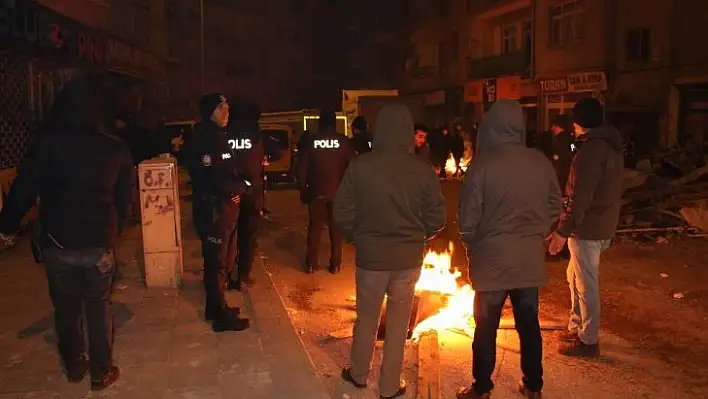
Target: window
(566, 23)
(455, 47)
(509, 40)
(638, 45)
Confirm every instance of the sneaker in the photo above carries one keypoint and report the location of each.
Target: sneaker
(470, 393)
(568, 335)
(578, 348)
(401, 391)
(347, 376)
(227, 321)
(527, 392)
(76, 372)
(210, 312)
(103, 382)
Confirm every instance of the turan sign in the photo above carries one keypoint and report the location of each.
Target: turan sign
(576, 83)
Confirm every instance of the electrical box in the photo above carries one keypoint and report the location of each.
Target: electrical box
(161, 222)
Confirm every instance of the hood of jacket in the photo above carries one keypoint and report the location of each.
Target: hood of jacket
(502, 125)
(394, 130)
(607, 133)
(81, 103)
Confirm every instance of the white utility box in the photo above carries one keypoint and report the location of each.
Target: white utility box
(161, 222)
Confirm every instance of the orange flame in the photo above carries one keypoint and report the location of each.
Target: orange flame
(439, 276)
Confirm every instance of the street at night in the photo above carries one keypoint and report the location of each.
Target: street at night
(653, 344)
(419, 199)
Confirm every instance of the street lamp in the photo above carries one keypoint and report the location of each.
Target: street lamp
(201, 45)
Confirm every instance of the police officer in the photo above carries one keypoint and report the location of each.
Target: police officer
(362, 138)
(319, 173)
(218, 185)
(248, 146)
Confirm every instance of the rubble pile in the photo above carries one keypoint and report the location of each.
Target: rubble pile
(668, 195)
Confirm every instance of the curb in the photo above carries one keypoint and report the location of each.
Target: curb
(292, 369)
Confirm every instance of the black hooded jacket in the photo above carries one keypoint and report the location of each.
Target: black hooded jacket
(82, 175)
(508, 202)
(593, 192)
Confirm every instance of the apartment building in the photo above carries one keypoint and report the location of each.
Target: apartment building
(434, 68)
(253, 51)
(499, 49)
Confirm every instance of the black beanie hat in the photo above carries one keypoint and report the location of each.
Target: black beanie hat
(328, 119)
(209, 102)
(359, 123)
(588, 113)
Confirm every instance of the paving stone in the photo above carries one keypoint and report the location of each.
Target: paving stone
(250, 385)
(147, 347)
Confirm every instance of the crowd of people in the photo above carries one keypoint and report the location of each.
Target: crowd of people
(510, 207)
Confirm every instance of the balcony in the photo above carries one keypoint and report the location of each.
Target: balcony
(489, 9)
(508, 64)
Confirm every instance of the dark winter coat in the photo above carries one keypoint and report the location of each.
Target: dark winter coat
(390, 200)
(508, 202)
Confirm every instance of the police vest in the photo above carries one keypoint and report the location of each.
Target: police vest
(240, 144)
(326, 143)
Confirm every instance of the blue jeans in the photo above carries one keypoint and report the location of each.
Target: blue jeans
(487, 314)
(583, 280)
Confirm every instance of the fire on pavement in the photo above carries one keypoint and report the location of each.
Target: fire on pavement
(439, 277)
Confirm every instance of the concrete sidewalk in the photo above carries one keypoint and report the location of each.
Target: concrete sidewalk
(163, 346)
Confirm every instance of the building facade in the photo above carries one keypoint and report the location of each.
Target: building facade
(43, 43)
(640, 60)
(435, 68)
(253, 51)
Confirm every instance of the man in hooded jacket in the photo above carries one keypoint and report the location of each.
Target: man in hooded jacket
(83, 177)
(591, 207)
(509, 199)
(319, 172)
(388, 217)
(218, 184)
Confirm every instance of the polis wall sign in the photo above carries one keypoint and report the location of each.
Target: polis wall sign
(42, 28)
(576, 83)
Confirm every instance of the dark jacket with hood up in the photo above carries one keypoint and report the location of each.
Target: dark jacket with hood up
(508, 202)
(388, 216)
(593, 193)
(81, 174)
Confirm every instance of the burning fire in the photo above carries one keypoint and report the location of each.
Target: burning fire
(438, 276)
(450, 166)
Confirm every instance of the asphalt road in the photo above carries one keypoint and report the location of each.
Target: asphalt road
(319, 305)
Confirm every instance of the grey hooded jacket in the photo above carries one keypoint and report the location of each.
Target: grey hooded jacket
(389, 201)
(509, 200)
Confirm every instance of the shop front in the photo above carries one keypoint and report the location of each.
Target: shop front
(559, 95)
(481, 94)
(40, 50)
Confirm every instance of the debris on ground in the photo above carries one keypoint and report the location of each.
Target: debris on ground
(665, 197)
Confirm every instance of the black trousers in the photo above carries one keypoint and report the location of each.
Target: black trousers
(321, 215)
(218, 247)
(487, 314)
(81, 279)
(249, 221)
